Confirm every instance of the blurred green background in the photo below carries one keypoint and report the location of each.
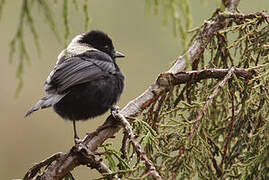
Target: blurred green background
(149, 47)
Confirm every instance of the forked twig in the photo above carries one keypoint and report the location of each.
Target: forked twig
(137, 147)
(37, 167)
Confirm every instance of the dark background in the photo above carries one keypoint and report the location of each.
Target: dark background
(149, 47)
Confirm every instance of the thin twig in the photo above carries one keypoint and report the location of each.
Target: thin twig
(36, 168)
(123, 148)
(150, 113)
(230, 131)
(137, 147)
(94, 161)
(217, 168)
(156, 112)
(209, 101)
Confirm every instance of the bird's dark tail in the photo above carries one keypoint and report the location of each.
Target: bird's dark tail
(45, 102)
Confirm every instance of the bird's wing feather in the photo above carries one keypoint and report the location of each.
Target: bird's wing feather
(76, 70)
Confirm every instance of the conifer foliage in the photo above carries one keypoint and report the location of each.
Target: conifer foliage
(207, 117)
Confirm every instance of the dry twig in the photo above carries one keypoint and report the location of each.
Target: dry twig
(137, 147)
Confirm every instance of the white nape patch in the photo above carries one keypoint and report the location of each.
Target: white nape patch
(74, 48)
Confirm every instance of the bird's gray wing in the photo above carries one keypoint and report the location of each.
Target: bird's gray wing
(74, 71)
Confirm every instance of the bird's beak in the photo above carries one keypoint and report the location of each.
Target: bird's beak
(119, 54)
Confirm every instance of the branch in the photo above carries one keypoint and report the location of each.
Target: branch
(195, 76)
(230, 131)
(93, 161)
(37, 167)
(244, 16)
(83, 156)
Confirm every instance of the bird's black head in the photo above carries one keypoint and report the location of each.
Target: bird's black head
(99, 40)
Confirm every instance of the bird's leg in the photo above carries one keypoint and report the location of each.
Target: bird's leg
(76, 138)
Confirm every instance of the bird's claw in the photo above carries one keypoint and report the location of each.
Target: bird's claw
(77, 140)
(115, 109)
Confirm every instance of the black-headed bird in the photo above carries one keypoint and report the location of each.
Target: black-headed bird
(86, 81)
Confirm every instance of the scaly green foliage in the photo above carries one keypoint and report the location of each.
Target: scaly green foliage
(231, 140)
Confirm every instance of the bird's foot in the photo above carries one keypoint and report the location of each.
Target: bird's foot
(77, 140)
(115, 109)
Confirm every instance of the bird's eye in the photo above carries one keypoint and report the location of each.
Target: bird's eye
(106, 47)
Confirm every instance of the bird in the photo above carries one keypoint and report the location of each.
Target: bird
(86, 81)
